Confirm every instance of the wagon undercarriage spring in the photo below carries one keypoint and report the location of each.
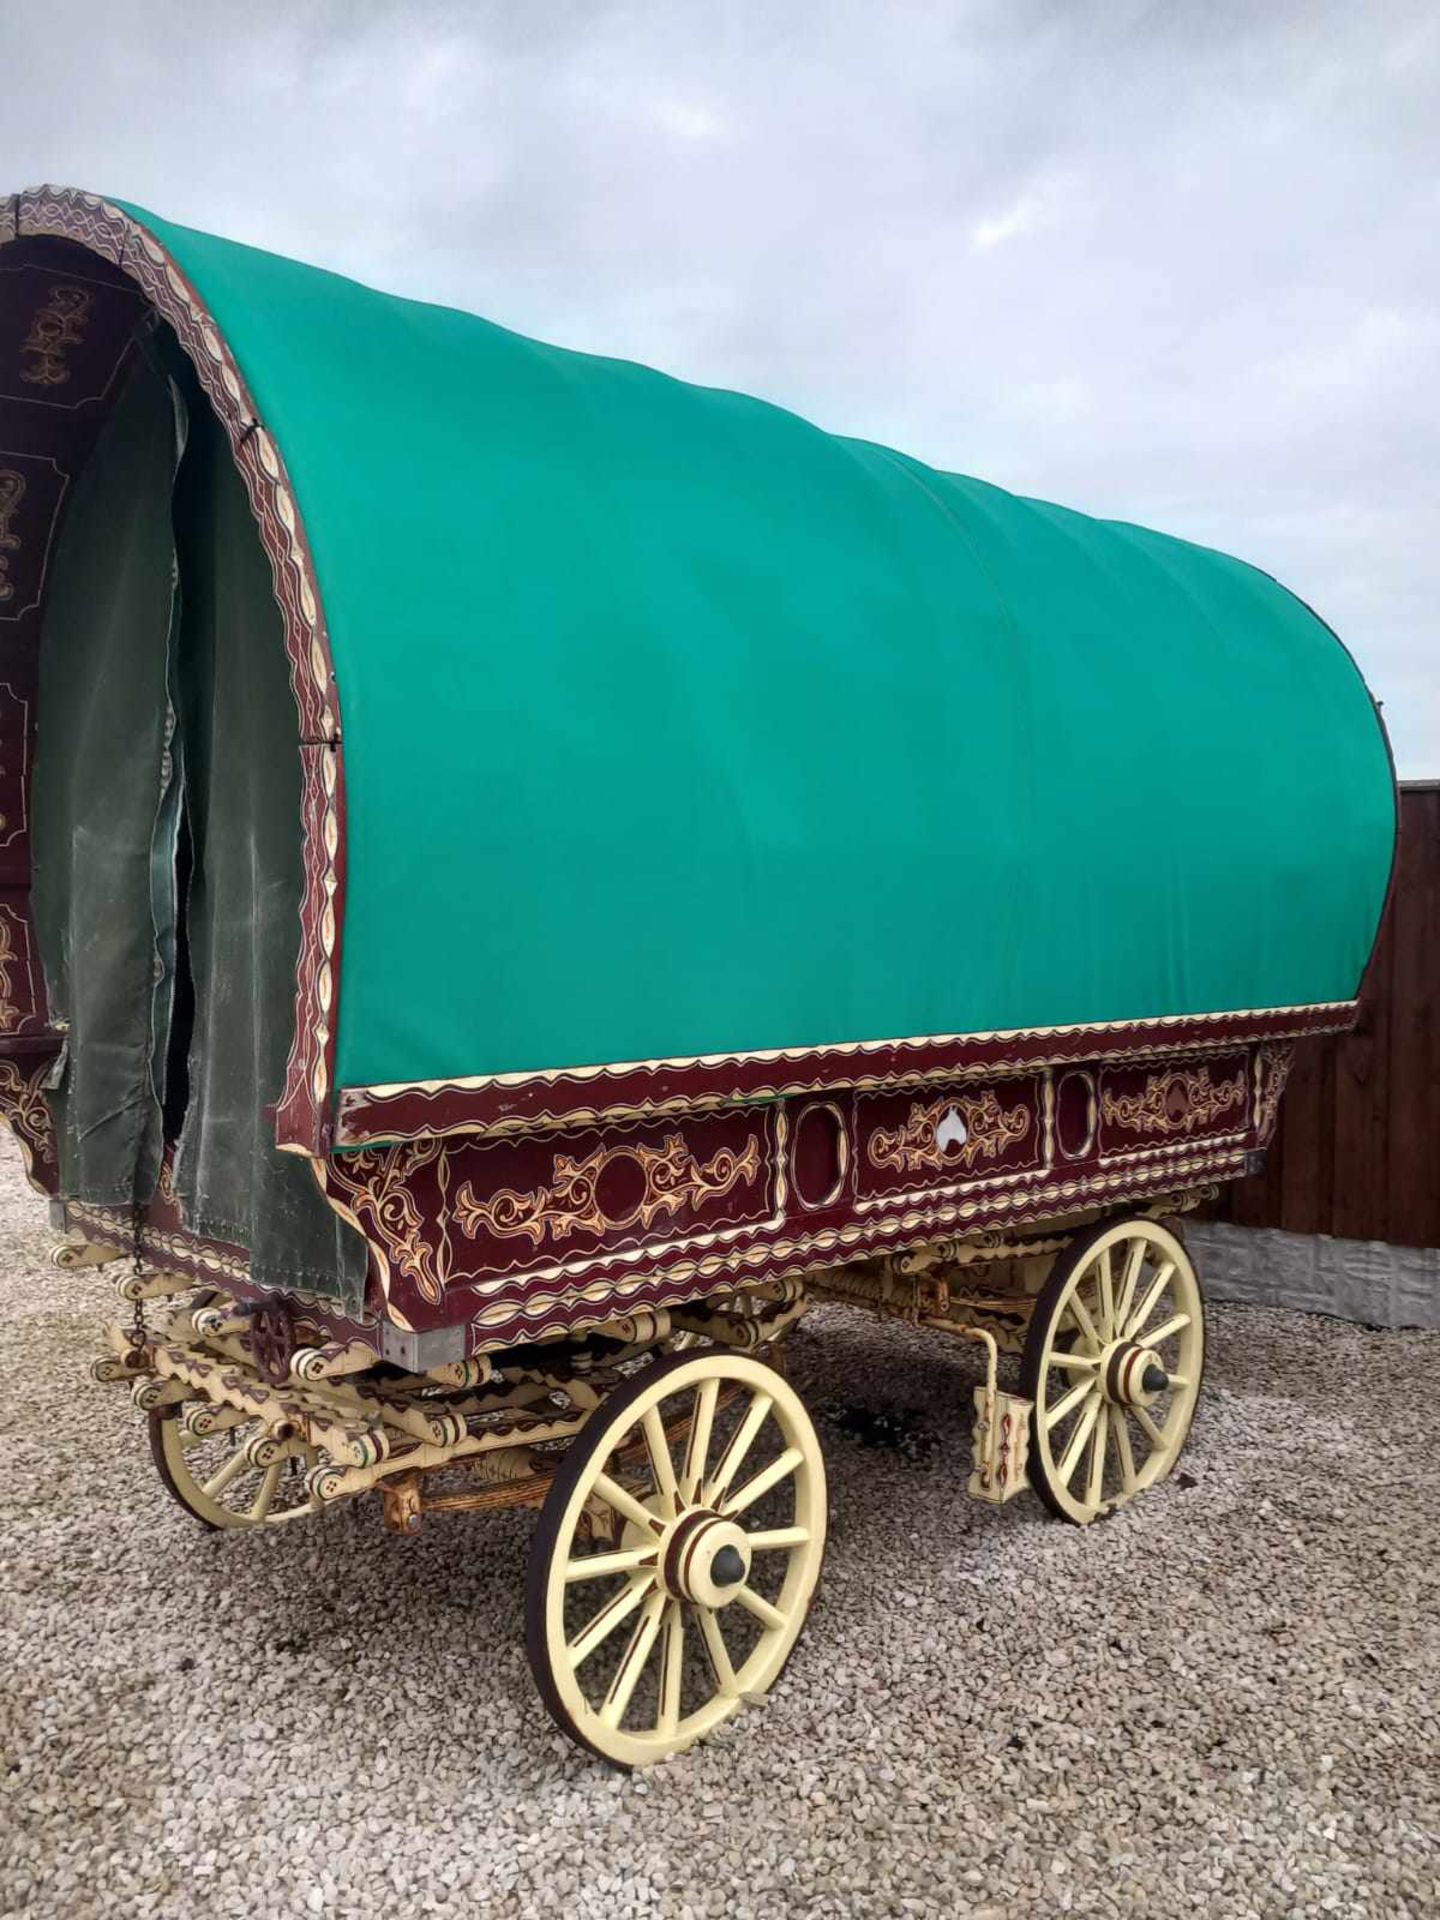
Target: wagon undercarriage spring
(496, 1433)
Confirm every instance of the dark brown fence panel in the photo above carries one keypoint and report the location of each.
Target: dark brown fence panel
(1414, 1078)
(1357, 1152)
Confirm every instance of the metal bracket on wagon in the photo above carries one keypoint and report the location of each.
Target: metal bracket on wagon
(1001, 1448)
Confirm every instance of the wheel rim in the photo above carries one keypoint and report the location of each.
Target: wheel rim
(225, 1479)
(1113, 1364)
(677, 1555)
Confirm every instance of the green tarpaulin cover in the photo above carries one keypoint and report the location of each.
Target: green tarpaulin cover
(674, 725)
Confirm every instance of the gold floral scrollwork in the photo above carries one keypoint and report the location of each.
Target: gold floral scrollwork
(57, 326)
(1273, 1062)
(672, 1180)
(166, 1181)
(12, 492)
(955, 1132)
(25, 1110)
(1177, 1101)
(376, 1185)
(11, 1014)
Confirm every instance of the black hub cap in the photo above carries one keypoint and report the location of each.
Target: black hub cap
(1154, 1379)
(727, 1567)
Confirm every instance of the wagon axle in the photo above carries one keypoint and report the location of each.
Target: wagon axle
(706, 1559)
(1133, 1375)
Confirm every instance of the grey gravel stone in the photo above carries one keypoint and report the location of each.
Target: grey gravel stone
(1222, 1701)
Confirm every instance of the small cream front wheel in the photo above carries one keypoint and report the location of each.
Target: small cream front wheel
(230, 1473)
(675, 1556)
(1112, 1363)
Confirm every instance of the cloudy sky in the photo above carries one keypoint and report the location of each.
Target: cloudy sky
(1176, 262)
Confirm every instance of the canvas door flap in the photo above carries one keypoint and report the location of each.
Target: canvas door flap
(104, 906)
(242, 920)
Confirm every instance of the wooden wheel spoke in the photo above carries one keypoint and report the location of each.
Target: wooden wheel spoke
(1130, 1279)
(672, 1669)
(1095, 1489)
(697, 1447)
(756, 1603)
(776, 1539)
(633, 1661)
(266, 1494)
(1106, 1274)
(1074, 1362)
(1070, 1459)
(1152, 1432)
(1124, 1450)
(602, 1623)
(1177, 1323)
(720, 1661)
(1068, 1402)
(1081, 1315)
(661, 1464)
(1128, 1283)
(715, 1489)
(624, 1502)
(231, 1470)
(779, 1469)
(597, 1566)
(1163, 1276)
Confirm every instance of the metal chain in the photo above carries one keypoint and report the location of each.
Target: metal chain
(139, 1331)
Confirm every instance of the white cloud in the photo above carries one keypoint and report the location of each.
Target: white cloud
(1176, 264)
(1032, 210)
(690, 120)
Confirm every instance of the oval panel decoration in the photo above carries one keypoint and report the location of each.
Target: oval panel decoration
(819, 1155)
(1076, 1115)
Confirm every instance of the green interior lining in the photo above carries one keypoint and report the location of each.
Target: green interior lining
(102, 906)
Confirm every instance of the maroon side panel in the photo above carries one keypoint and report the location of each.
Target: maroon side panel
(533, 1237)
(1191, 1100)
(522, 1102)
(963, 1133)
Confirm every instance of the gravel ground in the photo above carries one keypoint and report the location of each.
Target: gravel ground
(1224, 1700)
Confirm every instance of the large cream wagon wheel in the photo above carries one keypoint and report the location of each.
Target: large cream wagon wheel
(230, 1476)
(1112, 1362)
(675, 1556)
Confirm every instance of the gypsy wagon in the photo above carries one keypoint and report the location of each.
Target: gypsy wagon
(520, 873)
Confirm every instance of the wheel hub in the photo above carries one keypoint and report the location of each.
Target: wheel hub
(706, 1559)
(1134, 1375)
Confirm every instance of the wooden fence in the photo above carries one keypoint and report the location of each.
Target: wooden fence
(1357, 1151)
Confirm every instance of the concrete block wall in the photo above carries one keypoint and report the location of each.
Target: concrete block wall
(1363, 1280)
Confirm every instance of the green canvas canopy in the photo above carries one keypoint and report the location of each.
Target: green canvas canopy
(675, 726)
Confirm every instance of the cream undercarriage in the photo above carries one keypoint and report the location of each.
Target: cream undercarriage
(679, 1480)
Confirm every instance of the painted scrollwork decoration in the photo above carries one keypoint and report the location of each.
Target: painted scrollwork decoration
(663, 1180)
(377, 1186)
(954, 1133)
(57, 326)
(24, 1109)
(1273, 1062)
(11, 1013)
(12, 492)
(1180, 1100)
